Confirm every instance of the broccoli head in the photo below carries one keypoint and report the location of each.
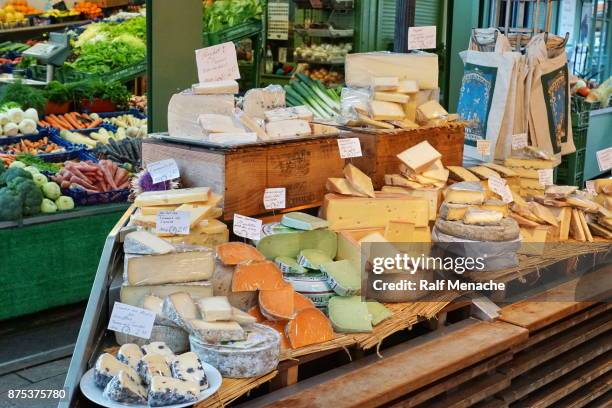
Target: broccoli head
(12, 173)
(11, 205)
(30, 194)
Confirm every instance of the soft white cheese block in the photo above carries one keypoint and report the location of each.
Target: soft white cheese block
(126, 389)
(184, 109)
(169, 268)
(107, 366)
(227, 86)
(145, 243)
(170, 391)
(152, 365)
(216, 332)
(294, 112)
(188, 367)
(160, 348)
(130, 354)
(288, 128)
(213, 123)
(232, 137)
(180, 308)
(215, 308)
(134, 295)
(475, 216)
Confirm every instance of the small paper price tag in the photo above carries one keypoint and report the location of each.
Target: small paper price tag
(500, 187)
(421, 38)
(131, 320)
(604, 159)
(590, 186)
(545, 177)
(519, 141)
(173, 222)
(274, 198)
(163, 170)
(217, 63)
(483, 147)
(350, 147)
(247, 227)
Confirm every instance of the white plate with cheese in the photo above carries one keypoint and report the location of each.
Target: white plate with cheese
(94, 393)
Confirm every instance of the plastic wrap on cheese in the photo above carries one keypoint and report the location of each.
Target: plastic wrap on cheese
(259, 100)
(352, 99)
(184, 109)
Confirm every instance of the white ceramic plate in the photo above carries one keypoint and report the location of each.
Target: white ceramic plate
(93, 393)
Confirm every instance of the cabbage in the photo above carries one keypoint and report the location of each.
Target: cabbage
(39, 179)
(51, 190)
(64, 203)
(19, 164)
(32, 170)
(48, 206)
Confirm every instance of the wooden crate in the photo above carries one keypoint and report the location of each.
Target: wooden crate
(380, 151)
(242, 174)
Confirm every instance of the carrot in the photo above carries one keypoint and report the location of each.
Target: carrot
(75, 118)
(72, 122)
(63, 122)
(95, 123)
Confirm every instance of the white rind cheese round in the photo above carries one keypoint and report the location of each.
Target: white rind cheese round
(507, 230)
(236, 361)
(176, 338)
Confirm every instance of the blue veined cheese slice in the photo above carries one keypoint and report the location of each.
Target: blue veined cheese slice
(145, 243)
(169, 391)
(158, 347)
(313, 258)
(107, 366)
(342, 277)
(188, 367)
(180, 308)
(126, 389)
(216, 332)
(152, 365)
(175, 338)
(130, 354)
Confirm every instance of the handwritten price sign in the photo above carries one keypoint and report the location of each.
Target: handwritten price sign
(131, 320)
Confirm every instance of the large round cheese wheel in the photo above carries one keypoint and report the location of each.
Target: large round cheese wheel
(507, 230)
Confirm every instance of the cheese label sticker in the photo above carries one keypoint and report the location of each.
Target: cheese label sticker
(519, 141)
(350, 147)
(217, 63)
(501, 188)
(590, 186)
(163, 170)
(131, 320)
(421, 38)
(545, 177)
(247, 227)
(173, 222)
(275, 198)
(604, 159)
(483, 147)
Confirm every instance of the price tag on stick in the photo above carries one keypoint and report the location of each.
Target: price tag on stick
(163, 170)
(247, 227)
(519, 141)
(173, 222)
(421, 38)
(217, 63)
(604, 159)
(275, 198)
(483, 147)
(500, 187)
(545, 177)
(350, 147)
(131, 320)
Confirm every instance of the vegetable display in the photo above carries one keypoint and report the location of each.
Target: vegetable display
(70, 121)
(222, 14)
(23, 96)
(14, 121)
(92, 177)
(42, 146)
(126, 151)
(131, 125)
(330, 53)
(323, 102)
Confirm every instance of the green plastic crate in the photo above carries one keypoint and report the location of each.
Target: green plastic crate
(571, 170)
(237, 32)
(580, 137)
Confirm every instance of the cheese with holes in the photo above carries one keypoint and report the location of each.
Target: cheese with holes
(212, 123)
(359, 180)
(215, 308)
(130, 354)
(399, 231)
(170, 391)
(294, 112)
(180, 196)
(355, 212)
(474, 216)
(465, 192)
(180, 308)
(107, 366)
(188, 367)
(134, 295)
(288, 128)
(216, 332)
(385, 83)
(144, 243)
(341, 186)
(419, 157)
(432, 195)
(227, 86)
(391, 97)
(126, 389)
(380, 110)
(169, 268)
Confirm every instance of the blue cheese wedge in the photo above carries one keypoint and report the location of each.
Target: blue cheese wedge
(145, 243)
(188, 367)
(169, 391)
(180, 308)
(152, 365)
(158, 347)
(107, 366)
(216, 332)
(130, 354)
(126, 389)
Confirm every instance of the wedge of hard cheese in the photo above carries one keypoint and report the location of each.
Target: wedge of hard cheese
(180, 196)
(419, 157)
(380, 110)
(228, 86)
(359, 180)
(169, 268)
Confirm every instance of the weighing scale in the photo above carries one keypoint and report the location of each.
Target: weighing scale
(53, 53)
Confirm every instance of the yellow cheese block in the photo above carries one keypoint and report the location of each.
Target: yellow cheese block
(207, 233)
(380, 110)
(523, 172)
(512, 162)
(422, 234)
(180, 196)
(344, 212)
(495, 205)
(531, 184)
(359, 180)
(483, 172)
(603, 186)
(408, 86)
(154, 210)
(399, 231)
(196, 212)
(436, 171)
(461, 174)
(432, 195)
(410, 109)
(341, 186)
(401, 181)
(466, 192)
(391, 97)
(533, 240)
(419, 157)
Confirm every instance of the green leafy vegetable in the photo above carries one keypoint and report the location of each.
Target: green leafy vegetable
(22, 95)
(223, 14)
(40, 164)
